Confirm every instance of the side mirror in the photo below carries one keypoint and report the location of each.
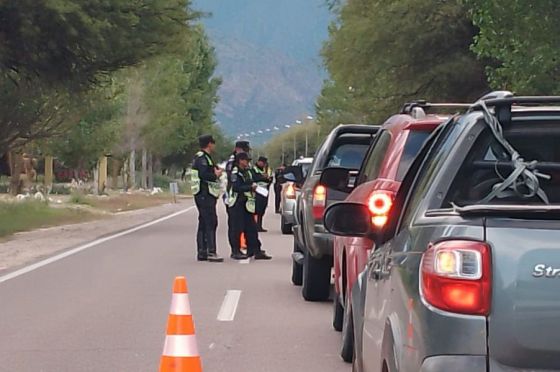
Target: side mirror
(349, 219)
(337, 179)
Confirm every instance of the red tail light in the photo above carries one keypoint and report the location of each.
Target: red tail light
(319, 201)
(291, 191)
(456, 277)
(380, 204)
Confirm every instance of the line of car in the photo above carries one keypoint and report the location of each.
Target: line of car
(441, 230)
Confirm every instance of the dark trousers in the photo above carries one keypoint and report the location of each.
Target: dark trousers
(260, 208)
(241, 221)
(277, 196)
(207, 225)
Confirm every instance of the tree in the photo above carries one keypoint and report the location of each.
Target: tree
(521, 38)
(389, 52)
(181, 94)
(54, 51)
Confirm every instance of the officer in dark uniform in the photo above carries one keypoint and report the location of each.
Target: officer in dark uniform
(241, 201)
(240, 146)
(278, 182)
(261, 177)
(205, 185)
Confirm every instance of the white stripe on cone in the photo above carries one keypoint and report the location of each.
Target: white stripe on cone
(180, 346)
(180, 304)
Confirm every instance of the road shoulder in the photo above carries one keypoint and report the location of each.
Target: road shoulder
(28, 247)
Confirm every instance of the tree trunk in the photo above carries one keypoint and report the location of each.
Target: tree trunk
(125, 175)
(49, 176)
(16, 167)
(144, 183)
(150, 171)
(102, 175)
(132, 168)
(115, 170)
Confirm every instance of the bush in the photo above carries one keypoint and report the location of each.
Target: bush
(78, 198)
(61, 189)
(162, 181)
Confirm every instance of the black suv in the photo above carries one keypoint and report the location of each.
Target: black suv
(345, 147)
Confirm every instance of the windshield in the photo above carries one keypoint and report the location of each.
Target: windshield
(348, 156)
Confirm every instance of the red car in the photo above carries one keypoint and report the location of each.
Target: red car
(398, 142)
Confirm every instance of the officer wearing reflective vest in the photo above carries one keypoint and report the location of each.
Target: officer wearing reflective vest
(241, 202)
(263, 179)
(206, 187)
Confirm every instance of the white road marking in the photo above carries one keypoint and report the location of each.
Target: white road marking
(229, 306)
(245, 261)
(94, 243)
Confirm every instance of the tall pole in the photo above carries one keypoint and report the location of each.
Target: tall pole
(306, 141)
(295, 154)
(283, 156)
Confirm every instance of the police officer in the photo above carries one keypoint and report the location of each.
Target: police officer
(240, 146)
(242, 210)
(261, 177)
(278, 182)
(205, 185)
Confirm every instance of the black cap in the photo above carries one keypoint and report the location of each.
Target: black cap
(263, 159)
(242, 156)
(244, 145)
(205, 140)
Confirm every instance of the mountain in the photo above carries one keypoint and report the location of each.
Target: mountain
(268, 55)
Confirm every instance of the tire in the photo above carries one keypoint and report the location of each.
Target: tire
(286, 228)
(297, 270)
(347, 350)
(338, 313)
(316, 278)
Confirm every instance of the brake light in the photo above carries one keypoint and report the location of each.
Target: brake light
(319, 201)
(456, 277)
(380, 204)
(291, 191)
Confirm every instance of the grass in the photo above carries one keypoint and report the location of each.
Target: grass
(128, 202)
(79, 198)
(24, 216)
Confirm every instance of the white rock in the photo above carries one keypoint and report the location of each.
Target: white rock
(39, 196)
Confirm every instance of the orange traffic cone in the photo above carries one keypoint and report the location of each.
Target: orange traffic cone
(180, 352)
(243, 241)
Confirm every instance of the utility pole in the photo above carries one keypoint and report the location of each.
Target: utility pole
(283, 156)
(295, 151)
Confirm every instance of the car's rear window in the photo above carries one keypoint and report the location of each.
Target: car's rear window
(488, 164)
(348, 155)
(412, 147)
(305, 169)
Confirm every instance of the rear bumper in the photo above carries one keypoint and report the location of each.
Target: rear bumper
(288, 217)
(446, 363)
(322, 243)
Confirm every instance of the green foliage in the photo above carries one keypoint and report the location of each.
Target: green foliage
(180, 96)
(521, 38)
(77, 197)
(62, 40)
(54, 51)
(384, 53)
(273, 149)
(96, 132)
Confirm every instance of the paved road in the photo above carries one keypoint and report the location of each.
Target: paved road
(105, 308)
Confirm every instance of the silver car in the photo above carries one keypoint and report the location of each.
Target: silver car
(466, 273)
(290, 191)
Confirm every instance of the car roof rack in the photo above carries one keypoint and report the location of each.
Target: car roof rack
(503, 101)
(417, 109)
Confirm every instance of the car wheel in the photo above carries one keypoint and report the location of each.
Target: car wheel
(286, 228)
(338, 313)
(347, 351)
(316, 278)
(297, 269)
